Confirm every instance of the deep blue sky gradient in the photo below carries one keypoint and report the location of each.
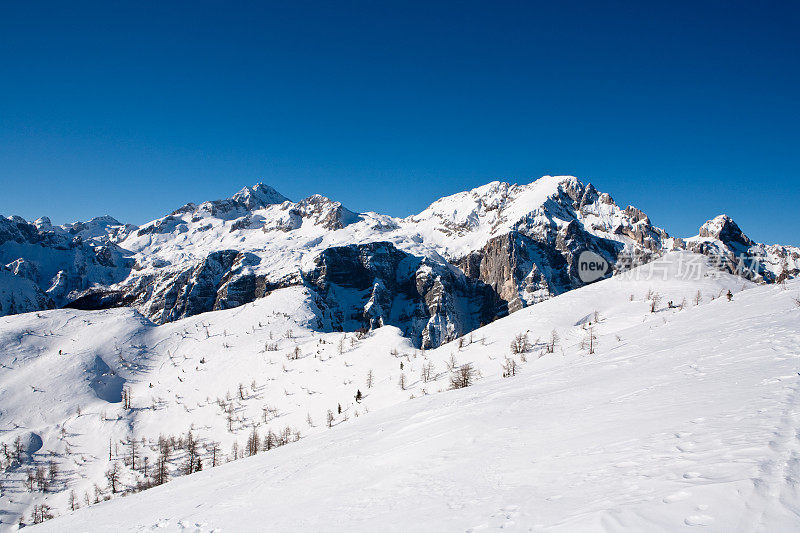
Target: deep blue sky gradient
(685, 110)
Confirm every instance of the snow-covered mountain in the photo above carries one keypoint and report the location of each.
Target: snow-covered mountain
(646, 401)
(464, 261)
(733, 251)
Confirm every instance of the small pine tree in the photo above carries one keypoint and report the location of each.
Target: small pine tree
(73, 501)
(162, 464)
(520, 344)
(213, 448)
(463, 376)
(590, 341)
(509, 367)
(253, 442)
(229, 417)
(270, 441)
(112, 475)
(428, 370)
(52, 471)
(134, 453)
(191, 452)
(551, 346)
(655, 299)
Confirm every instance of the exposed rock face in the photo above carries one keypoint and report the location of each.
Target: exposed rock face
(537, 257)
(220, 281)
(248, 199)
(375, 284)
(258, 197)
(519, 269)
(326, 213)
(358, 286)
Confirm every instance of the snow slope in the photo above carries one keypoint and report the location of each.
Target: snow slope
(20, 295)
(681, 417)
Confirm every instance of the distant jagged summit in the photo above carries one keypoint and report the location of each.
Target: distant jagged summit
(726, 244)
(258, 196)
(723, 228)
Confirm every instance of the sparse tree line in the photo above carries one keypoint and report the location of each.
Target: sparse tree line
(174, 457)
(655, 299)
(185, 455)
(12, 455)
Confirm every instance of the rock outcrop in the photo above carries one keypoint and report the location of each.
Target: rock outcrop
(375, 284)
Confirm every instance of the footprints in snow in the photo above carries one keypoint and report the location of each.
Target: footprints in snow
(698, 520)
(701, 518)
(183, 525)
(502, 519)
(684, 446)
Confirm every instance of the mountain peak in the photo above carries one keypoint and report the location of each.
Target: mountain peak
(327, 213)
(723, 228)
(258, 196)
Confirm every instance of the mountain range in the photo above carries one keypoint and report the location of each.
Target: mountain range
(466, 260)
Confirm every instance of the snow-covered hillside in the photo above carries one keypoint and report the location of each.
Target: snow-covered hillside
(682, 413)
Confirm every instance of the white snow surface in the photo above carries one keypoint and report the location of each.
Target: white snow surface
(681, 418)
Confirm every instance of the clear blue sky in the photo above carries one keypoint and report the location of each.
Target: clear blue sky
(685, 110)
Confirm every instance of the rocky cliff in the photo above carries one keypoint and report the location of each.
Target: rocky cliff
(375, 284)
